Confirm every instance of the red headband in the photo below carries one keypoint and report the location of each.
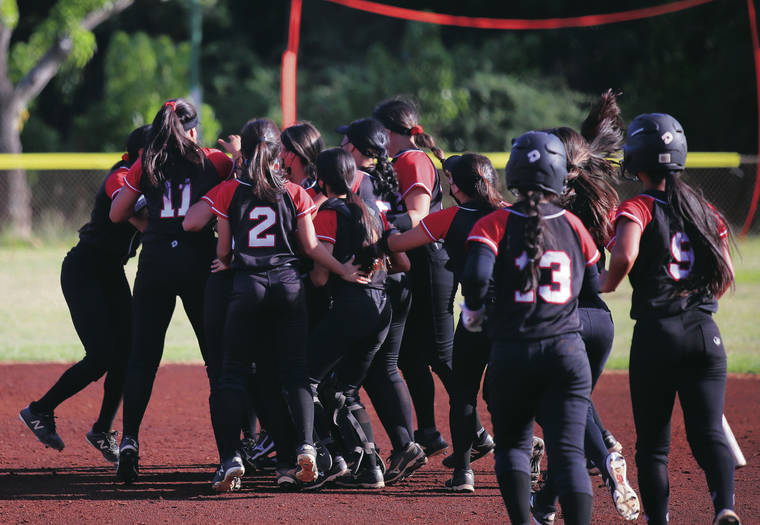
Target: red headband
(171, 104)
(125, 157)
(416, 130)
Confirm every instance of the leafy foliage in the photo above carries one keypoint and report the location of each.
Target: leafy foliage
(135, 88)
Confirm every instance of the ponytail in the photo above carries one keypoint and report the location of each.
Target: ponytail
(590, 192)
(690, 211)
(260, 151)
(533, 237)
(401, 116)
(168, 142)
(304, 140)
(336, 168)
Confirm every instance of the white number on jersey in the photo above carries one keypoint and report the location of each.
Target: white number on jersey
(168, 212)
(560, 289)
(680, 249)
(257, 236)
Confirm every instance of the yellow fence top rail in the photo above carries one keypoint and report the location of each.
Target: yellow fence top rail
(103, 161)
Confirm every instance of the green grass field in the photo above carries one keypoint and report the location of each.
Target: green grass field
(35, 323)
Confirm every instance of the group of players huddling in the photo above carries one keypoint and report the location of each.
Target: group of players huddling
(308, 273)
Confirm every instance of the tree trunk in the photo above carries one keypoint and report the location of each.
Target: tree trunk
(15, 194)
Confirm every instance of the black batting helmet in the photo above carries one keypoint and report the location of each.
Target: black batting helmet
(655, 142)
(538, 161)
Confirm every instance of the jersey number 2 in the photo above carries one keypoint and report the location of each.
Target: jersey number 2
(257, 236)
(559, 290)
(168, 212)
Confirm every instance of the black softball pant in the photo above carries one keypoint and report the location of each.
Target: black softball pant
(384, 384)
(266, 327)
(683, 355)
(550, 379)
(471, 351)
(429, 335)
(167, 270)
(597, 332)
(100, 303)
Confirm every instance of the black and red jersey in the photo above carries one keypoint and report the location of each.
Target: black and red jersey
(184, 184)
(452, 226)
(551, 309)
(665, 257)
(414, 169)
(118, 239)
(263, 232)
(335, 224)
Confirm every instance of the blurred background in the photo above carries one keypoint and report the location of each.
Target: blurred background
(477, 89)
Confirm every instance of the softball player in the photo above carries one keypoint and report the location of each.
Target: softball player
(538, 256)
(301, 144)
(591, 197)
(375, 182)
(172, 173)
(674, 247)
(472, 179)
(357, 323)
(100, 303)
(264, 214)
(429, 337)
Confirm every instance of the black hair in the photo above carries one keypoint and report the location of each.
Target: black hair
(304, 140)
(136, 141)
(533, 236)
(168, 142)
(336, 168)
(475, 176)
(591, 174)
(691, 212)
(401, 116)
(260, 150)
(369, 137)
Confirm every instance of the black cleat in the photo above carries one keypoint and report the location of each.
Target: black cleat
(403, 463)
(481, 447)
(106, 444)
(127, 468)
(228, 476)
(42, 424)
(462, 481)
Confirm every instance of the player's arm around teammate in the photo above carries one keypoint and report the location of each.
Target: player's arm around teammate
(472, 180)
(673, 245)
(266, 215)
(538, 255)
(172, 173)
(429, 335)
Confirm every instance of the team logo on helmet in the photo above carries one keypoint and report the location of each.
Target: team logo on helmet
(667, 138)
(533, 156)
(663, 158)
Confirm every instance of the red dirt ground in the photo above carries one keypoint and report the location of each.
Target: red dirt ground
(39, 485)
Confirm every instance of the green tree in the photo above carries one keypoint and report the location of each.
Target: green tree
(141, 72)
(63, 39)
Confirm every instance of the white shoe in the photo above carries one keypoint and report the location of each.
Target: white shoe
(623, 496)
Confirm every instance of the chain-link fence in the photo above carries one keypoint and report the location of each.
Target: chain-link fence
(62, 199)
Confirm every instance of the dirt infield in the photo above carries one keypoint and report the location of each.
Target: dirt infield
(39, 485)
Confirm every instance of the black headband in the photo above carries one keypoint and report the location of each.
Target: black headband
(193, 123)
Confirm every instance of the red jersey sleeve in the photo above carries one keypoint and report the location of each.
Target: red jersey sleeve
(326, 226)
(220, 196)
(637, 209)
(132, 179)
(304, 203)
(115, 182)
(436, 225)
(588, 247)
(414, 170)
(490, 229)
(221, 162)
